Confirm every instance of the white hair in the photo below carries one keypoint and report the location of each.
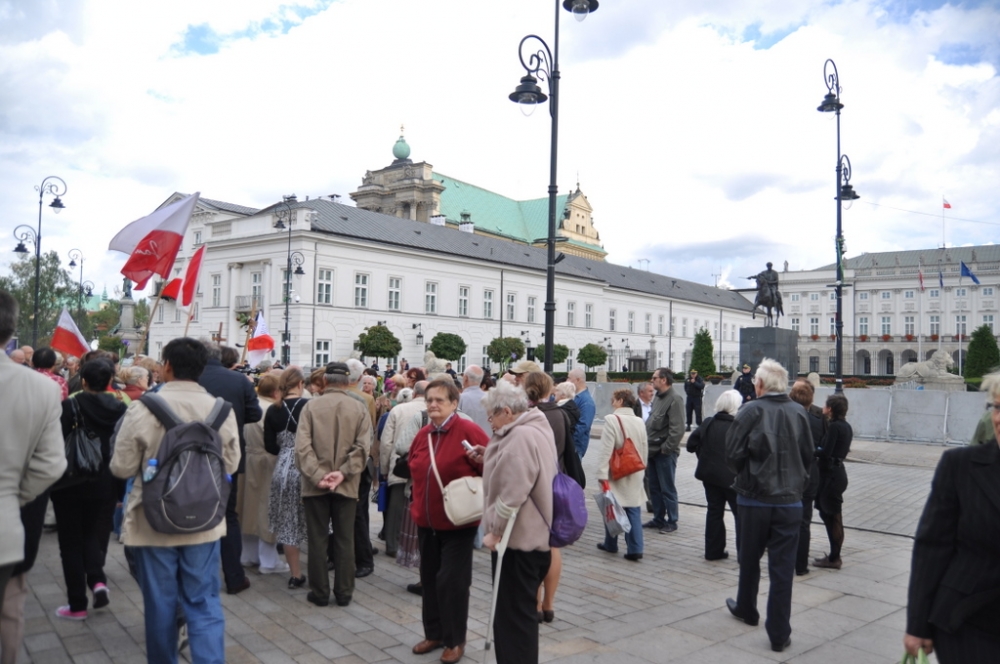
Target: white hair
(405, 394)
(565, 390)
(728, 402)
(474, 374)
(506, 395)
(577, 374)
(772, 375)
(355, 368)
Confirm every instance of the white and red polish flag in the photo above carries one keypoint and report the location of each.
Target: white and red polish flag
(67, 338)
(190, 286)
(261, 344)
(154, 240)
(944, 201)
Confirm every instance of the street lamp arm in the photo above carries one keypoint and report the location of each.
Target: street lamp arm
(55, 188)
(832, 78)
(540, 63)
(25, 233)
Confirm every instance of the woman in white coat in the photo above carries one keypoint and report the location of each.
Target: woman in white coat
(628, 490)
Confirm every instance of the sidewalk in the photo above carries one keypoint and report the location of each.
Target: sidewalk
(668, 608)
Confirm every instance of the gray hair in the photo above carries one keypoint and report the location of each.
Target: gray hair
(729, 402)
(213, 348)
(991, 385)
(369, 379)
(420, 388)
(565, 390)
(474, 374)
(405, 395)
(134, 373)
(577, 374)
(356, 369)
(336, 380)
(772, 375)
(506, 395)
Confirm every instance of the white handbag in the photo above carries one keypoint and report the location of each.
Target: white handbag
(463, 498)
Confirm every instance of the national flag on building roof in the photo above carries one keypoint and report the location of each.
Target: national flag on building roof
(920, 276)
(154, 240)
(966, 272)
(67, 338)
(947, 205)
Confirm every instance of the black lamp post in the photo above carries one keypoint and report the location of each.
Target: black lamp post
(283, 211)
(74, 256)
(544, 64)
(845, 192)
(24, 234)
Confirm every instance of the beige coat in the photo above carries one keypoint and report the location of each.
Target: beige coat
(255, 482)
(400, 428)
(138, 441)
(334, 433)
(628, 489)
(32, 452)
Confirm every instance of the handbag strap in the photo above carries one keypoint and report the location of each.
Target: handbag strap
(430, 448)
(622, 427)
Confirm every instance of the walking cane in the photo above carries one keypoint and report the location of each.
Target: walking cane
(510, 513)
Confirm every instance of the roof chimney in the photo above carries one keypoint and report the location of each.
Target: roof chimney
(438, 220)
(466, 225)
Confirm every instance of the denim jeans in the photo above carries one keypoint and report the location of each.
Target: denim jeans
(633, 538)
(188, 575)
(662, 488)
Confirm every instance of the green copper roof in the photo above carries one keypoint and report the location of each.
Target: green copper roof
(492, 212)
(401, 150)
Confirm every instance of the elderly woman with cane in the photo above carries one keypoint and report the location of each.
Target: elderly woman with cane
(518, 468)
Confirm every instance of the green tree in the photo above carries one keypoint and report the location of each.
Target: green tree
(378, 341)
(448, 346)
(701, 355)
(592, 355)
(559, 353)
(56, 290)
(504, 350)
(983, 355)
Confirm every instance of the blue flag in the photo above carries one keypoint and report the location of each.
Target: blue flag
(940, 280)
(966, 272)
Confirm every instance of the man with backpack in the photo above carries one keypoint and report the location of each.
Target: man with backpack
(179, 568)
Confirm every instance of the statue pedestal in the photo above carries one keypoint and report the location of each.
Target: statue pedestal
(126, 327)
(756, 343)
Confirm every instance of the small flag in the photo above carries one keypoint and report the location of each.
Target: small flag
(191, 277)
(940, 279)
(966, 272)
(172, 290)
(67, 337)
(154, 240)
(261, 344)
(947, 205)
(920, 276)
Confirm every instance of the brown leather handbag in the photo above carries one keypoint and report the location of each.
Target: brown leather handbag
(625, 460)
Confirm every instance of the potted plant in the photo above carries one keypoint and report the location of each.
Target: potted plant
(814, 337)
(715, 379)
(886, 337)
(863, 337)
(934, 337)
(909, 337)
(833, 337)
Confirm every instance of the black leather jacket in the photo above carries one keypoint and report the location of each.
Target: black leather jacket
(770, 448)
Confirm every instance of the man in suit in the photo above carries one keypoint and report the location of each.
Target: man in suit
(954, 596)
(238, 391)
(32, 454)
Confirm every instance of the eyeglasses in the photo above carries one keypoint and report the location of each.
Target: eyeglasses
(993, 406)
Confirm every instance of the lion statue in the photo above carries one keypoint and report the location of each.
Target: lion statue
(434, 367)
(935, 368)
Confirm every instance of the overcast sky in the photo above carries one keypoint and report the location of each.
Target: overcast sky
(691, 125)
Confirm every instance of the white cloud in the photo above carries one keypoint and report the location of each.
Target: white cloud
(695, 148)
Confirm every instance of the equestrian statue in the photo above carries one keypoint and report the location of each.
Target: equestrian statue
(768, 298)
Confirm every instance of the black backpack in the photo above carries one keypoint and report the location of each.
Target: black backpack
(190, 490)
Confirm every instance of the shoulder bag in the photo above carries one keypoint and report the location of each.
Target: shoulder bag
(625, 460)
(463, 497)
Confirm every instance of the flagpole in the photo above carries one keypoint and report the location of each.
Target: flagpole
(942, 220)
(959, 331)
(189, 317)
(152, 312)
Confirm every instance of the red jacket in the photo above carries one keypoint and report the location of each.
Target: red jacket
(427, 508)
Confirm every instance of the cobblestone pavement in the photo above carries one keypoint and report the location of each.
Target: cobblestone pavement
(668, 608)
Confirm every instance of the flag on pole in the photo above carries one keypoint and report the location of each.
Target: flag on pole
(261, 344)
(67, 338)
(940, 279)
(920, 276)
(947, 205)
(966, 272)
(191, 277)
(154, 240)
(172, 290)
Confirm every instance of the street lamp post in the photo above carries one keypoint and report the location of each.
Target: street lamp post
(543, 64)
(23, 233)
(285, 212)
(74, 256)
(845, 192)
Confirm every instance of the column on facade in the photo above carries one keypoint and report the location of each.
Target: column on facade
(233, 278)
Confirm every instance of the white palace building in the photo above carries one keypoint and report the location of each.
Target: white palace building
(424, 253)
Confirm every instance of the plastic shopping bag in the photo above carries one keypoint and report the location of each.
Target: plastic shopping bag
(921, 658)
(615, 519)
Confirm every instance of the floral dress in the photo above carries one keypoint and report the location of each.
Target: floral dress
(286, 513)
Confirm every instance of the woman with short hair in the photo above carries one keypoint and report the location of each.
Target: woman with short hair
(709, 442)
(831, 453)
(254, 493)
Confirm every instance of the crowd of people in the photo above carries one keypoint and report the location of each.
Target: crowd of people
(304, 454)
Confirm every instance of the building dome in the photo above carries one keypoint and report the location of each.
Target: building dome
(401, 150)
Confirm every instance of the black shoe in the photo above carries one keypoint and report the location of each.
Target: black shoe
(374, 551)
(362, 572)
(778, 647)
(294, 583)
(343, 601)
(634, 557)
(317, 600)
(415, 588)
(802, 572)
(329, 566)
(723, 556)
(600, 545)
(652, 524)
(731, 605)
(668, 528)
(240, 587)
(280, 548)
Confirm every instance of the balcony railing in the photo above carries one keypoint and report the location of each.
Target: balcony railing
(247, 303)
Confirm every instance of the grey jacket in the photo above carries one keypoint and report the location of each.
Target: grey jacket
(665, 426)
(770, 448)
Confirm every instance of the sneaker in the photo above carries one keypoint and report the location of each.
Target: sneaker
(668, 528)
(280, 568)
(102, 596)
(66, 614)
(653, 524)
